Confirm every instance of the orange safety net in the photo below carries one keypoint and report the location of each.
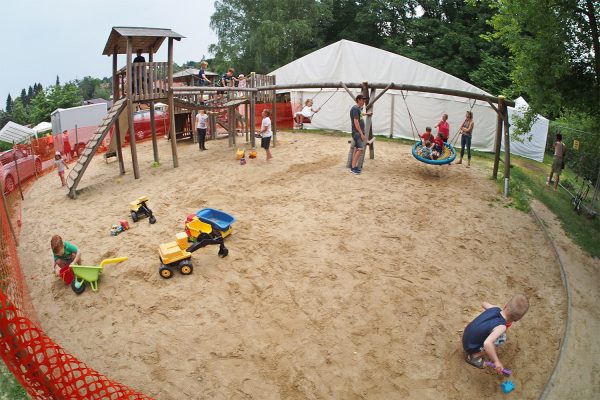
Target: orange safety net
(42, 367)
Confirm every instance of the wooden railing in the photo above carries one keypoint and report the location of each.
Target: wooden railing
(150, 80)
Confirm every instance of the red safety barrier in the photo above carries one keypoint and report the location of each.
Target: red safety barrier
(42, 367)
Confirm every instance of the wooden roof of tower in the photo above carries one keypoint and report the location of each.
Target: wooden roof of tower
(141, 38)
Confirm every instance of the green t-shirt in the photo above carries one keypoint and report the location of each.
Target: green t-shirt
(69, 250)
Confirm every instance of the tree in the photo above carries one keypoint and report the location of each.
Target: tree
(9, 104)
(40, 108)
(4, 118)
(555, 51)
(262, 35)
(57, 81)
(19, 112)
(24, 98)
(65, 96)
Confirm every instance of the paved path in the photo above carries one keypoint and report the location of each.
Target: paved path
(577, 374)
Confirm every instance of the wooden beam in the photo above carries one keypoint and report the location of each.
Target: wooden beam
(116, 97)
(393, 86)
(152, 117)
(172, 132)
(499, 122)
(348, 91)
(371, 103)
(506, 152)
(134, 160)
(253, 111)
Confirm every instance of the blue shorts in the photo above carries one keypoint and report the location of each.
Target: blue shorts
(265, 142)
(358, 143)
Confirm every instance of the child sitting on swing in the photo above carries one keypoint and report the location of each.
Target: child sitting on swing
(426, 137)
(307, 111)
(438, 146)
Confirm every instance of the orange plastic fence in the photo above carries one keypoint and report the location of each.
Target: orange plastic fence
(43, 368)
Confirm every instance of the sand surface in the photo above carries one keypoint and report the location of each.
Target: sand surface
(336, 285)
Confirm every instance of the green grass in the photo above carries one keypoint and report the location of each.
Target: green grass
(528, 181)
(10, 389)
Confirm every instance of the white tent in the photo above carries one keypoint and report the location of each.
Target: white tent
(13, 132)
(534, 144)
(347, 61)
(43, 127)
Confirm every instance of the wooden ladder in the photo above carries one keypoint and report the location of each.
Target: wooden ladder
(92, 146)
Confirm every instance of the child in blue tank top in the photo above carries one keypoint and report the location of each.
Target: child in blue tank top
(488, 330)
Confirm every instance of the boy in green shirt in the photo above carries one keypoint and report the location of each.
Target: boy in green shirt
(64, 254)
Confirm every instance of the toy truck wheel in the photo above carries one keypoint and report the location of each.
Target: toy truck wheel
(134, 216)
(152, 219)
(78, 287)
(185, 267)
(165, 272)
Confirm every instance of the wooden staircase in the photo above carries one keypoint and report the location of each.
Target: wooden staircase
(90, 149)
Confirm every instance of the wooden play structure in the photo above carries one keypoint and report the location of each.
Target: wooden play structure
(141, 84)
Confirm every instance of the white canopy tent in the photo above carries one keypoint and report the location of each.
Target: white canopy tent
(13, 132)
(347, 61)
(43, 127)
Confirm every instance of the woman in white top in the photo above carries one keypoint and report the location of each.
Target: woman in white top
(307, 111)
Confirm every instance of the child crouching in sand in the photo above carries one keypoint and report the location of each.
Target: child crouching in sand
(64, 254)
(488, 331)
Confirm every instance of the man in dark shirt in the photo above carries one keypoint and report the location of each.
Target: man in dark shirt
(139, 57)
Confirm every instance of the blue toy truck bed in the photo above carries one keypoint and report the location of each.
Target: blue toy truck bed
(216, 218)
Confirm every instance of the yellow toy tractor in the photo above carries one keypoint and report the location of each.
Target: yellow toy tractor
(176, 255)
(140, 209)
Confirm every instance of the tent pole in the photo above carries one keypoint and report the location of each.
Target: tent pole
(392, 117)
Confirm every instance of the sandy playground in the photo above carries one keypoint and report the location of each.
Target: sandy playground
(336, 286)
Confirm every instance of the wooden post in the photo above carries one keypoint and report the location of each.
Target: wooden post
(230, 126)
(194, 136)
(213, 125)
(274, 115)
(17, 170)
(506, 149)
(499, 122)
(172, 132)
(253, 110)
(246, 130)
(116, 96)
(12, 230)
(134, 160)
(152, 120)
(368, 125)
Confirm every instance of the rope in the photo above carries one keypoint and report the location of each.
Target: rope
(413, 125)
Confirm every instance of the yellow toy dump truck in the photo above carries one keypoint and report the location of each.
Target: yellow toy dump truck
(177, 254)
(140, 209)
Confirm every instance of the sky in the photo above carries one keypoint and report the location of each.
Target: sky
(45, 38)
